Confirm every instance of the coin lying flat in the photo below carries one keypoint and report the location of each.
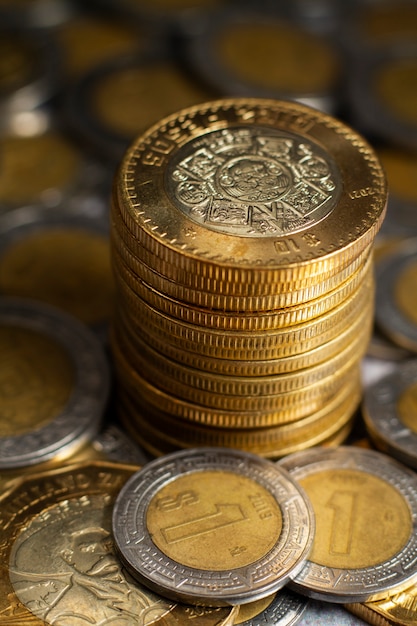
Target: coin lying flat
(396, 299)
(365, 505)
(283, 608)
(389, 408)
(54, 383)
(399, 608)
(185, 526)
(64, 516)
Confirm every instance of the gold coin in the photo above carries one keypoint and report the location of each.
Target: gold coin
(188, 285)
(395, 85)
(48, 164)
(63, 265)
(399, 608)
(169, 432)
(219, 390)
(257, 191)
(296, 347)
(388, 21)
(130, 288)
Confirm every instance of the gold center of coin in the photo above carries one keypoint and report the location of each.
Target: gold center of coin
(401, 168)
(253, 181)
(16, 63)
(129, 100)
(214, 520)
(36, 168)
(253, 609)
(278, 57)
(405, 292)
(69, 269)
(361, 520)
(36, 380)
(407, 407)
(397, 88)
(78, 580)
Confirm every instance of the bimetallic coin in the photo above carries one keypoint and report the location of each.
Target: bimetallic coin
(227, 189)
(383, 94)
(61, 259)
(54, 383)
(185, 525)
(236, 51)
(396, 296)
(365, 502)
(390, 411)
(64, 516)
(281, 609)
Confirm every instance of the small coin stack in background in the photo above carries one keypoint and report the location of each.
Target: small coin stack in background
(242, 253)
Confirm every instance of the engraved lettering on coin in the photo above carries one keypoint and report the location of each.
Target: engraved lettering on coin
(348, 503)
(253, 182)
(36, 380)
(76, 579)
(204, 519)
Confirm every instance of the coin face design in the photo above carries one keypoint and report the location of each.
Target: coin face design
(365, 502)
(79, 576)
(253, 181)
(212, 525)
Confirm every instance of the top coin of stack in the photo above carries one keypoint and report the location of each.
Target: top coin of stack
(241, 240)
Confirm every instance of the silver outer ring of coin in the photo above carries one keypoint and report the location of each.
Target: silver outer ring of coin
(370, 113)
(400, 218)
(153, 568)
(80, 419)
(201, 54)
(379, 408)
(360, 584)
(285, 610)
(118, 447)
(388, 316)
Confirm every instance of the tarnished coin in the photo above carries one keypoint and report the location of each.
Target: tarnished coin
(365, 502)
(54, 383)
(283, 608)
(185, 525)
(64, 517)
(396, 295)
(390, 411)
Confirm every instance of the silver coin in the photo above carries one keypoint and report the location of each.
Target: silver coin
(213, 526)
(390, 414)
(391, 317)
(365, 503)
(285, 608)
(36, 426)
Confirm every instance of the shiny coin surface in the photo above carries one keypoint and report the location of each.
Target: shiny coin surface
(365, 502)
(54, 383)
(397, 609)
(186, 526)
(225, 190)
(396, 295)
(64, 517)
(283, 608)
(389, 408)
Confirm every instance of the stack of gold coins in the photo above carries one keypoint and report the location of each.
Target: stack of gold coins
(241, 240)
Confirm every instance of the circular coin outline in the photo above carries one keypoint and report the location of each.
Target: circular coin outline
(267, 574)
(379, 409)
(358, 584)
(151, 216)
(285, 610)
(80, 419)
(389, 318)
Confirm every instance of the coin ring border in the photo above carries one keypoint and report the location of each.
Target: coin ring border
(330, 584)
(144, 558)
(83, 411)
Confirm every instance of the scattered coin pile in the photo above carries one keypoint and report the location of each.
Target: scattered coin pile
(241, 248)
